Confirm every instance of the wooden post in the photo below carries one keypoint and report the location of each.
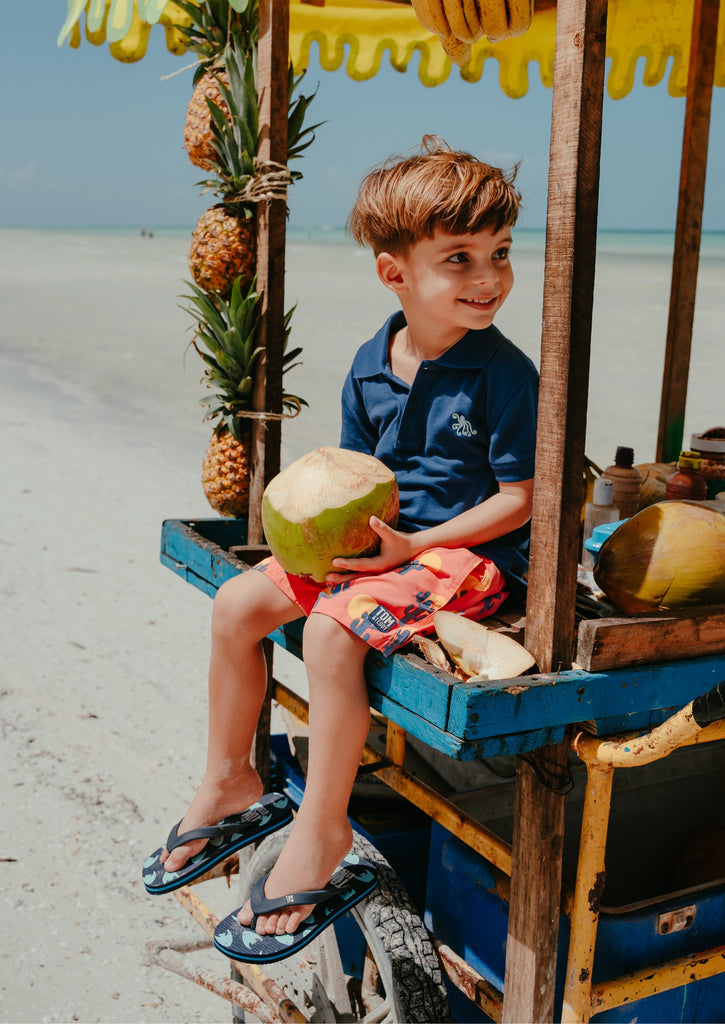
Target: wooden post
(689, 229)
(272, 86)
(571, 236)
(565, 348)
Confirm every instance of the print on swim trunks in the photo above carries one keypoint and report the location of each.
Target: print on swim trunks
(382, 619)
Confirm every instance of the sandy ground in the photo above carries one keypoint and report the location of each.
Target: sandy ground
(104, 651)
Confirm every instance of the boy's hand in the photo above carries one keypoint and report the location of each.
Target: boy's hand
(395, 549)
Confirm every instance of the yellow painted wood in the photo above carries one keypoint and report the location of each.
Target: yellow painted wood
(590, 877)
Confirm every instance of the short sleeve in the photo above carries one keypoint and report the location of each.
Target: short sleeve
(512, 448)
(357, 431)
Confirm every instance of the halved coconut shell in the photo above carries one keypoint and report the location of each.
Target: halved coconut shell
(479, 651)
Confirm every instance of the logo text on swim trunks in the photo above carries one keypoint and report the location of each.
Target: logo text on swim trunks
(462, 426)
(382, 619)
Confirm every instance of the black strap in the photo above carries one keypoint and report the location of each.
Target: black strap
(261, 904)
(710, 707)
(209, 832)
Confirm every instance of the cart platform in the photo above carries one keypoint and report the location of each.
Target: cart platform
(466, 720)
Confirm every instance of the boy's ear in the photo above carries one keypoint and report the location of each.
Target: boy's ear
(390, 272)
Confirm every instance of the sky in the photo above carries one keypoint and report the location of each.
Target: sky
(88, 141)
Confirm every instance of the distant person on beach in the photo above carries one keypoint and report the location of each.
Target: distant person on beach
(449, 404)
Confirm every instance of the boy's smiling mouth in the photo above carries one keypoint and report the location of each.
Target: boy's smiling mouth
(485, 304)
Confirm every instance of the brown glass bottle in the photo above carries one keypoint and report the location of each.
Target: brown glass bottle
(686, 483)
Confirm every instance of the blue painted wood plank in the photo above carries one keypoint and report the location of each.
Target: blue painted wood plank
(184, 544)
(515, 705)
(410, 682)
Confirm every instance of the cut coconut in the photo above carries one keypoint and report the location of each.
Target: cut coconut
(319, 508)
(480, 651)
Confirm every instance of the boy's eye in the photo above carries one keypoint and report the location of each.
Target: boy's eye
(458, 257)
(502, 254)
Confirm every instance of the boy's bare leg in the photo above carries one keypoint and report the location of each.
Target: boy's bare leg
(246, 609)
(339, 723)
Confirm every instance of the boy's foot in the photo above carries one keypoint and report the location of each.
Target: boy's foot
(305, 864)
(218, 841)
(352, 880)
(212, 803)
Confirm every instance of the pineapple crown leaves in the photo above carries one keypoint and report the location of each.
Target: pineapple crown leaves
(227, 330)
(235, 138)
(214, 23)
(299, 137)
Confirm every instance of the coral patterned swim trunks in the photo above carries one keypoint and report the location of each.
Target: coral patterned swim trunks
(386, 609)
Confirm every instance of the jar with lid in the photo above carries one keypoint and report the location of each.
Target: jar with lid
(710, 446)
(627, 481)
(686, 483)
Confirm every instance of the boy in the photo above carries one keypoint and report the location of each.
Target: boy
(449, 404)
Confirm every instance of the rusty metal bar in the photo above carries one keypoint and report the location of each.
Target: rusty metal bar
(680, 730)
(662, 978)
(590, 879)
(470, 982)
(266, 988)
(162, 955)
(437, 807)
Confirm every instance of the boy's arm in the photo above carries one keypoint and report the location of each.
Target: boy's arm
(507, 510)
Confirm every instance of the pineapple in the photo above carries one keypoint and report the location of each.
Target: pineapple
(227, 330)
(198, 138)
(223, 248)
(223, 243)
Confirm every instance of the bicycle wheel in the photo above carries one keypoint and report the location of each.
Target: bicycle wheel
(376, 964)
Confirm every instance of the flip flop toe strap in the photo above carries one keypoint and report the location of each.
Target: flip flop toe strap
(174, 839)
(262, 904)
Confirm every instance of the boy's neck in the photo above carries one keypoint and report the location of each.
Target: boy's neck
(409, 348)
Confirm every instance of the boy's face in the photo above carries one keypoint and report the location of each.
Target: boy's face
(455, 283)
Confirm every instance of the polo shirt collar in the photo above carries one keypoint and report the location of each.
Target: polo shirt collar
(472, 352)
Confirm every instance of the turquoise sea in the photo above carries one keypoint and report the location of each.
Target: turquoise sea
(96, 313)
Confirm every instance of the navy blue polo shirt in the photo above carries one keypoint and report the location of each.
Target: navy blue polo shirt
(467, 422)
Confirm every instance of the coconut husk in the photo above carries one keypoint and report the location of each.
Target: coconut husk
(480, 652)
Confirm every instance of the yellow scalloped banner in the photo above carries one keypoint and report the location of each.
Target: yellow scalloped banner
(361, 33)
(125, 25)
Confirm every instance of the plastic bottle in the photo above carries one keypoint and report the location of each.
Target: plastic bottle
(626, 480)
(687, 483)
(597, 512)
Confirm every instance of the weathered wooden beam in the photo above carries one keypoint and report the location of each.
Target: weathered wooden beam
(534, 908)
(566, 332)
(571, 231)
(272, 86)
(689, 229)
(647, 639)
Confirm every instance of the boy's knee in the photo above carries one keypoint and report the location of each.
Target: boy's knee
(231, 607)
(325, 637)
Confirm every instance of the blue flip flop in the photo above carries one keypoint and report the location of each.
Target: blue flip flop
(352, 880)
(269, 813)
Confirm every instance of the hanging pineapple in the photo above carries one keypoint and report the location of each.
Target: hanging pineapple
(227, 331)
(212, 26)
(222, 136)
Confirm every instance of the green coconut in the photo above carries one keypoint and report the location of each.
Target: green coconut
(319, 508)
(670, 555)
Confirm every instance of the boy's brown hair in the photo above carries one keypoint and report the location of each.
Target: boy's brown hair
(410, 198)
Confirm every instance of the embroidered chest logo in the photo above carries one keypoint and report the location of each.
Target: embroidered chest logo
(462, 426)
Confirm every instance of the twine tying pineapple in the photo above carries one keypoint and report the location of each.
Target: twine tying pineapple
(221, 135)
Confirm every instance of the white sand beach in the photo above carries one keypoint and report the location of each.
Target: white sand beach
(102, 677)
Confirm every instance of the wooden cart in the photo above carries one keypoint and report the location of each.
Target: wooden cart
(618, 682)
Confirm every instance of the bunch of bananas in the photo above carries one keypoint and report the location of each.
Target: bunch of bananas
(459, 23)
